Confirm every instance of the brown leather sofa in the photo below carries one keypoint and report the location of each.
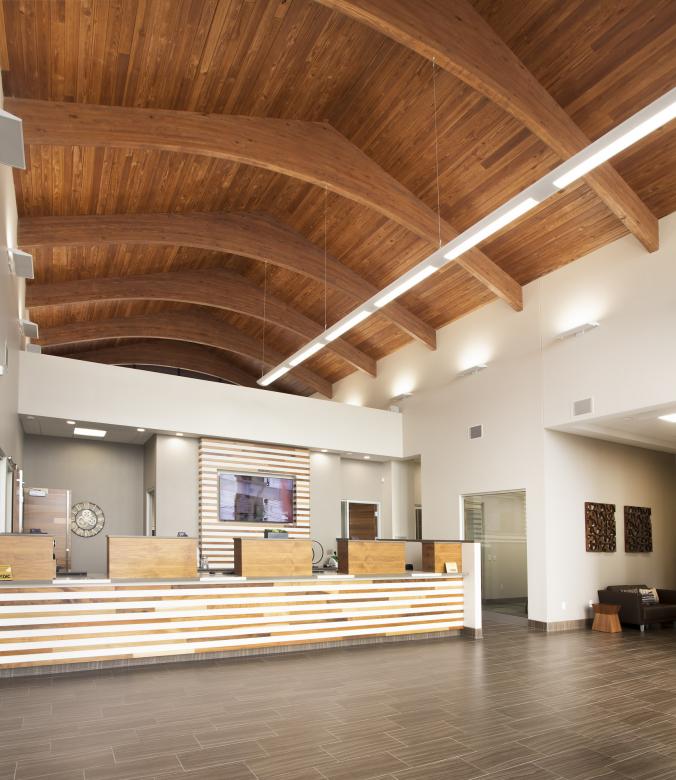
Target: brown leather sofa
(633, 611)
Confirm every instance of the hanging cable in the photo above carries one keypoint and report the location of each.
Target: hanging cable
(326, 191)
(265, 302)
(436, 144)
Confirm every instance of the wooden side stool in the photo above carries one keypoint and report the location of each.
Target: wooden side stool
(607, 618)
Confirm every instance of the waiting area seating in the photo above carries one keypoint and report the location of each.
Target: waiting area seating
(641, 605)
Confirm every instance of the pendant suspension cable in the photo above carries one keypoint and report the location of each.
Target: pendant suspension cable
(265, 303)
(326, 195)
(436, 144)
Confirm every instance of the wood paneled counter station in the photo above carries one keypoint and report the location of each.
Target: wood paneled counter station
(31, 556)
(435, 554)
(155, 557)
(376, 556)
(66, 627)
(273, 557)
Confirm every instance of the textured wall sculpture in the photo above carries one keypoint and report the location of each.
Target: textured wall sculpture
(638, 529)
(599, 526)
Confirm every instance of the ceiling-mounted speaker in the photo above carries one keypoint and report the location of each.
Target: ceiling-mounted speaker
(11, 140)
(476, 431)
(29, 329)
(21, 263)
(583, 406)
(34, 348)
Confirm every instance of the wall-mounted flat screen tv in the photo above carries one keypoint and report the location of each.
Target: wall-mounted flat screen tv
(255, 498)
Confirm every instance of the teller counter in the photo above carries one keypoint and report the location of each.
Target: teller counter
(273, 557)
(28, 556)
(154, 557)
(373, 556)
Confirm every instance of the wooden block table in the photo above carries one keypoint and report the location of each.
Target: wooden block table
(607, 618)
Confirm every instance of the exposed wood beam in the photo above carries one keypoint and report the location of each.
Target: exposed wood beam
(217, 288)
(251, 235)
(464, 44)
(196, 328)
(170, 354)
(4, 52)
(312, 151)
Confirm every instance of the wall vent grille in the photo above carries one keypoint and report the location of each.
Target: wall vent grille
(583, 406)
(476, 431)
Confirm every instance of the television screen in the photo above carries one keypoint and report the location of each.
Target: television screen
(256, 498)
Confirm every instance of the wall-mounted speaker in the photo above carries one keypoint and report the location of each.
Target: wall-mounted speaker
(21, 263)
(29, 329)
(11, 140)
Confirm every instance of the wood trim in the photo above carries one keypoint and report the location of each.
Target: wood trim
(198, 328)
(170, 354)
(257, 236)
(87, 623)
(311, 151)
(216, 537)
(464, 44)
(216, 288)
(150, 557)
(273, 557)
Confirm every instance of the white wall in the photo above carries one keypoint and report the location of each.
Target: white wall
(110, 475)
(160, 402)
(581, 469)
(176, 485)
(11, 308)
(325, 497)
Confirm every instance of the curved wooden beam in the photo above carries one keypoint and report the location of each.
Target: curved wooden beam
(169, 354)
(216, 288)
(251, 235)
(311, 151)
(197, 328)
(464, 44)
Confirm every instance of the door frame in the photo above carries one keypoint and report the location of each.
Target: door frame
(345, 515)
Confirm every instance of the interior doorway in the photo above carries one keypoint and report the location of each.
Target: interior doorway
(149, 514)
(498, 521)
(361, 519)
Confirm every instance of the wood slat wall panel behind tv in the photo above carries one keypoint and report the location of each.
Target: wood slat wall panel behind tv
(241, 457)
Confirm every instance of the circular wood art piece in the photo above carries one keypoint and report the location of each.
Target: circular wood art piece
(638, 529)
(599, 526)
(87, 519)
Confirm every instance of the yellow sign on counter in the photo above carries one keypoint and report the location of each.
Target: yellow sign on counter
(5, 572)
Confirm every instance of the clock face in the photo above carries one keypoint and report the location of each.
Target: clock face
(86, 519)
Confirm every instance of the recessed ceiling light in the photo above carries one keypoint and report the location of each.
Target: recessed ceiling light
(324, 450)
(70, 422)
(179, 434)
(141, 430)
(367, 457)
(668, 418)
(95, 432)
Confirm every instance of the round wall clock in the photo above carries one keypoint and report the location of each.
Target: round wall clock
(87, 519)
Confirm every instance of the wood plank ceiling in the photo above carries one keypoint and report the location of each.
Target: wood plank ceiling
(301, 60)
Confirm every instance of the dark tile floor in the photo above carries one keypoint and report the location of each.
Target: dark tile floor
(515, 705)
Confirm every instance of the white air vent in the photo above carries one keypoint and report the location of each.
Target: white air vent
(476, 431)
(583, 406)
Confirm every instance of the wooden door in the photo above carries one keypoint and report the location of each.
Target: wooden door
(49, 510)
(363, 521)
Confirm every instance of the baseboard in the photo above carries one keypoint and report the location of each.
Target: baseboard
(129, 663)
(473, 633)
(559, 625)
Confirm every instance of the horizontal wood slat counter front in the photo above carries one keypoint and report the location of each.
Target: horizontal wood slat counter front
(31, 556)
(136, 557)
(273, 557)
(63, 627)
(371, 557)
(435, 555)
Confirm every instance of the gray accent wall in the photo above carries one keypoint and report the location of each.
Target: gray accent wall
(110, 475)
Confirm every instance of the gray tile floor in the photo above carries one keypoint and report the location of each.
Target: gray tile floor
(515, 705)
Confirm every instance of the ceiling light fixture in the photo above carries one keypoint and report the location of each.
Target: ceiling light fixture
(70, 422)
(400, 397)
(141, 430)
(367, 457)
(653, 116)
(646, 121)
(306, 353)
(95, 432)
(346, 324)
(577, 331)
(670, 418)
(179, 434)
(472, 370)
(324, 450)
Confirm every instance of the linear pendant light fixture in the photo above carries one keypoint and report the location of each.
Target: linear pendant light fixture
(647, 120)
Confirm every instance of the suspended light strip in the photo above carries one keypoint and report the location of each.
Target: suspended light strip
(641, 124)
(615, 141)
(306, 353)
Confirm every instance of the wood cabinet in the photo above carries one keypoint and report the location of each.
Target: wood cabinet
(273, 557)
(31, 556)
(371, 557)
(436, 554)
(143, 557)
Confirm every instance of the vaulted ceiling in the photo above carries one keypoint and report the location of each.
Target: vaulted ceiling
(210, 182)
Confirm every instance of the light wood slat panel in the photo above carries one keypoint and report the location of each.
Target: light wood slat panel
(216, 537)
(70, 624)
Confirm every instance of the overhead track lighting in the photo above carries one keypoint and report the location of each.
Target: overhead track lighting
(578, 330)
(644, 122)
